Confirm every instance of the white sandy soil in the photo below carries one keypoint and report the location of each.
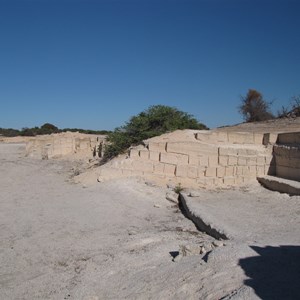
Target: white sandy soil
(115, 240)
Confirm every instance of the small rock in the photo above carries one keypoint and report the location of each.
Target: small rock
(149, 183)
(171, 186)
(132, 232)
(194, 194)
(172, 196)
(187, 250)
(217, 243)
(156, 205)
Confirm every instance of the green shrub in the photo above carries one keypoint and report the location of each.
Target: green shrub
(154, 121)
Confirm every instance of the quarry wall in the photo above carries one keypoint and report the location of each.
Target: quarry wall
(65, 144)
(287, 156)
(198, 159)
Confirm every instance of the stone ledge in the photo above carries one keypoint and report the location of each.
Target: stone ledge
(281, 185)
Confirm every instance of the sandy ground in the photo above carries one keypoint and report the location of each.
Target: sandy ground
(116, 240)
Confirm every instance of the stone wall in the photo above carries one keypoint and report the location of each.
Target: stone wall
(287, 156)
(64, 144)
(197, 159)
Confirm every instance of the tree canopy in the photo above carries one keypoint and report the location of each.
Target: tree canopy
(155, 120)
(254, 108)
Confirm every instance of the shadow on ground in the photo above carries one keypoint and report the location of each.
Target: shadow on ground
(275, 273)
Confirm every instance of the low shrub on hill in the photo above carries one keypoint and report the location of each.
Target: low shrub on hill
(154, 121)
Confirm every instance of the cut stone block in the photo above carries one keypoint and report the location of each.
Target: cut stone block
(172, 158)
(211, 172)
(154, 155)
(145, 166)
(196, 148)
(157, 146)
(144, 154)
(223, 160)
(192, 172)
(182, 171)
(169, 169)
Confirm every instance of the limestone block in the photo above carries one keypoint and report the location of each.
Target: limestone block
(201, 171)
(192, 172)
(229, 181)
(229, 171)
(182, 171)
(223, 136)
(213, 136)
(220, 172)
(283, 161)
(247, 151)
(258, 138)
(251, 161)
(241, 137)
(223, 160)
(154, 155)
(145, 166)
(172, 158)
(158, 168)
(226, 150)
(289, 138)
(239, 180)
(242, 161)
(239, 170)
(260, 160)
(134, 153)
(232, 160)
(204, 161)
(196, 148)
(260, 170)
(246, 171)
(252, 171)
(203, 136)
(219, 182)
(194, 160)
(294, 152)
(157, 146)
(288, 173)
(169, 169)
(213, 160)
(211, 172)
(270, 138)
(144, 154)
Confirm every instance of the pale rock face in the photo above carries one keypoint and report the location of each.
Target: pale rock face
(68, 144)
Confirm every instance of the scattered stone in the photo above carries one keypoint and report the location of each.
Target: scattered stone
(172, 196)
(132, 232)
(217, 243)
(187, 250)
(171, 186)
(157, 205)
(151, 184)
(194, 194)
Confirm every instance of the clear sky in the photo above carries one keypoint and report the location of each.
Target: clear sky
(94, 64)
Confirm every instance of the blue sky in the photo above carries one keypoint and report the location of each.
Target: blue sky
(94, 64)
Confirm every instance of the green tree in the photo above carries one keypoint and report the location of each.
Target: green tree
(154, 121)
(48, 128)
(254, 108)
